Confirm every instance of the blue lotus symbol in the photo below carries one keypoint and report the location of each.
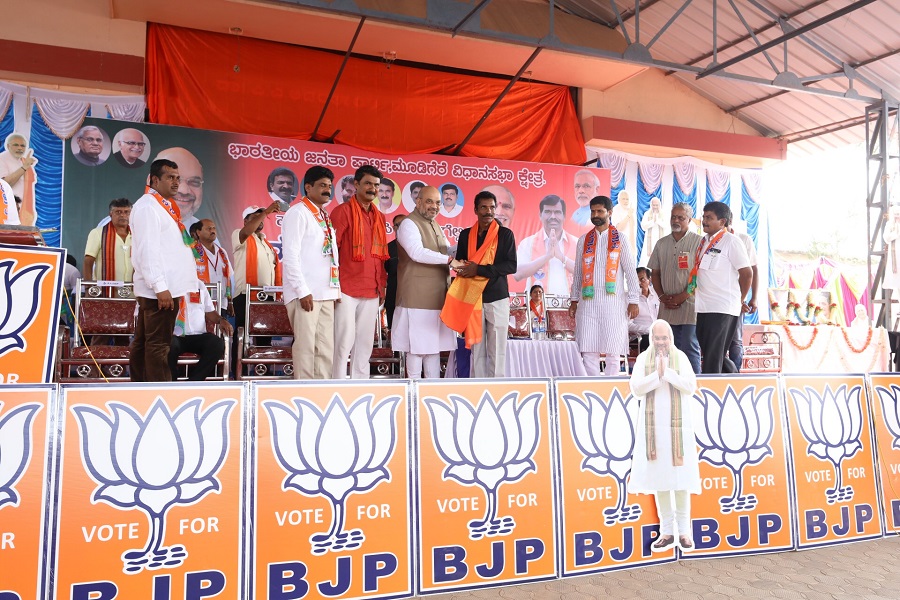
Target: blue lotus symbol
(604, 434)
(15, 449)
(736, 432)
(890, 408)
(486, 447)
(334, 455)
(153, 463)
(831, 423)
(23, 286)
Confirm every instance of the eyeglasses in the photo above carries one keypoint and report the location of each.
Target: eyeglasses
(194, 182)
(138, 144)
(92, 140)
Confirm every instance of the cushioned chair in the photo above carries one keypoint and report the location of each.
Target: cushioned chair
(560, 325)
(519, 321)
(266, 317)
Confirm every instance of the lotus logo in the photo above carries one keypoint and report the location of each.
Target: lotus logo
(604, 434)
(16, 317)
(15, 449)
(334, 455)
(891, 410)
(735, 433)
(486, 447)
(153, 463)
(831, 423)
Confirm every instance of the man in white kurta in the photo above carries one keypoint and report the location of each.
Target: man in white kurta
(311, 283)
(654, 225)
(601, 319)
(665, 454)
(422, 281)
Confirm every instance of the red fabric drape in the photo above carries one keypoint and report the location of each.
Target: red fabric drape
(280, 90)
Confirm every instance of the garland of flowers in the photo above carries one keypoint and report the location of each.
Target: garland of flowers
(776, 308)
(850, 345)
(795, 344)
(794, 306)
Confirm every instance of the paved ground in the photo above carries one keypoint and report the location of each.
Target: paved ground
(864, 571)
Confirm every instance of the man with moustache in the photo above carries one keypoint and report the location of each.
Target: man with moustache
(164, 272)
(670, 264)
(348, 188)
(390, 265)
(282, 185)
(311, 280)
(190, 193)
(256, 263)
(423, 279)
(131, 145)
(449, 199)
(587, 185)
(506, 204)
(90, 146)
(17, 168)
(386, 195)
(720, 280)
(213, 266)
(477, 303)
(547, 258)
(362, 247)
(599, 302)
(414, 188)
(107, 253)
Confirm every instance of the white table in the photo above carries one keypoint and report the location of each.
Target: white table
(830, 351)
(538, 358)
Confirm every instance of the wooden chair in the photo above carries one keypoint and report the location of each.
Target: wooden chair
(266, 317)
(187, 359)
(103, 313)
(560, 325)
(519, 317)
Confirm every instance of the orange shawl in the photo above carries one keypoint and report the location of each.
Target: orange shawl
(252, 268)
(379, 233)
(462, 308)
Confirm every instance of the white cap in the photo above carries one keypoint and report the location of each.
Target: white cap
(250, 210)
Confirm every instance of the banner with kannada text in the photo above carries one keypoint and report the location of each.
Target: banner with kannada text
(331, 493)
(833, 459)
(224, 173)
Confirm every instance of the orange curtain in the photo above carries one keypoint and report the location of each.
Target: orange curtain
(279, 90)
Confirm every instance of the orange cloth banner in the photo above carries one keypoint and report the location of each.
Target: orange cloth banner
(280, 90)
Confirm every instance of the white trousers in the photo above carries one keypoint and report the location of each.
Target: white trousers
(415, 362)
(354, 335)
(489, 355)
(679, 516)
(591, 362)
(313, 348)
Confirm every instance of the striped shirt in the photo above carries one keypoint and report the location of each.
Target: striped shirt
(664, 261)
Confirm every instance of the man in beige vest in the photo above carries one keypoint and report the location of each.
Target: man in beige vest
(423, 277)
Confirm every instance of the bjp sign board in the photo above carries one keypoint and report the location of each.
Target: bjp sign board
(833, 459)
(485, 494)
(603, 527)
(885, 397)
(150, 492)
(25, 426)
(745, 505)
(331, 495)
(30, 295)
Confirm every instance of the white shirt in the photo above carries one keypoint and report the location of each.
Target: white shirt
(70, 277)
(217, 268)
(195, 312)
(306, 269)
(409, 237)
(159, 256)
(749, 247)
(718, 288)
(648, 309)
(9, 213)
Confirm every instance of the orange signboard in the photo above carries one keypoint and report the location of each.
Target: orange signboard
(745, 507)
(603, 527)
(150, 489)
(30, 292)
(833, 460)
(25, 416)
(331, 492)
(485, 494)
(886, 416)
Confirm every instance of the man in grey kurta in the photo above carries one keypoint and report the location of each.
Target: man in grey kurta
(602, 309)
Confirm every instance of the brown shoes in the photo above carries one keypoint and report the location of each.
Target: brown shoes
(664, 543)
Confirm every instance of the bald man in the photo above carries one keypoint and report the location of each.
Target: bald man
(130, 144)
(506, 204)
(189, 196)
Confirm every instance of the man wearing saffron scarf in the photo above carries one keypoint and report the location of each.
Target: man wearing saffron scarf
(255, 263)
(164, 272)
(107, 254)
(311, 283)
(478, 301)
(362, 248)
(599, 302)
(547, 258)
(213, 266)
(665, 453)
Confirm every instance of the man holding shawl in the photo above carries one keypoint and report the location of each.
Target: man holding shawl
(107, 254)
(477, 303)
(601, 319)
(665, 454)
(362, 250)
